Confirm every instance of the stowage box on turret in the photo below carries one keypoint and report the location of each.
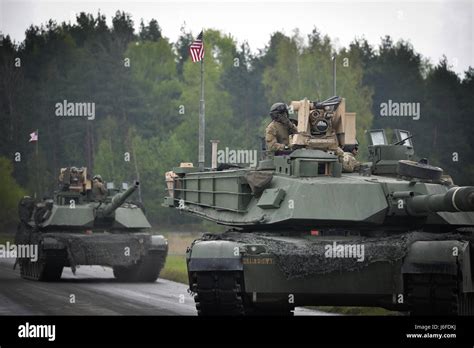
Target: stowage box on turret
(89, 223)
(396, 233)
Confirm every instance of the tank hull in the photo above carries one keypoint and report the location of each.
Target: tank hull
(122, 251)
(274, 281)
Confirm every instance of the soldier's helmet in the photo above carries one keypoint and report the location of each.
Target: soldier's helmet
(97, 177)
(278, 109)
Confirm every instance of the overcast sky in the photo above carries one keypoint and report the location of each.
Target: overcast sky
(433, 27)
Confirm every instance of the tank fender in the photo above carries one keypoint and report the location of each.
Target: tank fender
(50, 243)
(158, 242)
(216, 255)
(440, 257)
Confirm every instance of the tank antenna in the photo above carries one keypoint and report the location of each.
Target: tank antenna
(334, 74)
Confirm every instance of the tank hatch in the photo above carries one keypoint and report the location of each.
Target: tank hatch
(385, 156)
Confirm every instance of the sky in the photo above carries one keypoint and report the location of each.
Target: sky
(435, 28)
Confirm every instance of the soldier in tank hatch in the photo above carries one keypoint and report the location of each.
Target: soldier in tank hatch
(349, 162)
(99, 191)
(278, 131)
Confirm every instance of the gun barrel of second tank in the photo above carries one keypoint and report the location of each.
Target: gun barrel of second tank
(455, 199)
(120, 198)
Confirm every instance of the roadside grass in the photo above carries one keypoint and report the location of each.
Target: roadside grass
(178, 242)
(175, 269)
(357, 310)
(205, 226)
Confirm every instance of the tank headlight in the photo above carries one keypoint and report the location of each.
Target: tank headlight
(255, 249)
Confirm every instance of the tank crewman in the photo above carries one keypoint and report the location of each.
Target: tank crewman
(74, 176)
(278, 132)
(99, 191)
(63, 186)
(349, 162)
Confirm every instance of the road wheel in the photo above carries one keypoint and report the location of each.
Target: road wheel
(41, 270)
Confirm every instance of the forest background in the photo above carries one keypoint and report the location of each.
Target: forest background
(145, 90)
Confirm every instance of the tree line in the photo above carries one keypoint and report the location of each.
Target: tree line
(145, 91)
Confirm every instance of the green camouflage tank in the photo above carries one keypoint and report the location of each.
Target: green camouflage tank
(396, 234)
(87, 223)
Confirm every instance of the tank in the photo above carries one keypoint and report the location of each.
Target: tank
(395, 233)
(88, 222)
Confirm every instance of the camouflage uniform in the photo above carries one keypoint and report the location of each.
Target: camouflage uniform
(349, 163)
(99, 191)
(277, 135)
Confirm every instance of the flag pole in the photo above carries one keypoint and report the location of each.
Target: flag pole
(202, 118)
(37, 165)
(37, 135)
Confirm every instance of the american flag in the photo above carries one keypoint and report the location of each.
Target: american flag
(34, 136)
(196, 50)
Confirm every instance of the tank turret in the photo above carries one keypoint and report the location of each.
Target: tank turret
(118, 200)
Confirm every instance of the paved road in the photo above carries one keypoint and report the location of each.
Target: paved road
(96, 292)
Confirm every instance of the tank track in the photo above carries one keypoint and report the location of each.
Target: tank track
(222, 293)
(46, 268)
(218, 293)
(437, 294)
(466, 304)
(50, 264)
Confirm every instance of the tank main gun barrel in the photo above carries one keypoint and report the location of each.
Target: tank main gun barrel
(455, 200)
(119, 199)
